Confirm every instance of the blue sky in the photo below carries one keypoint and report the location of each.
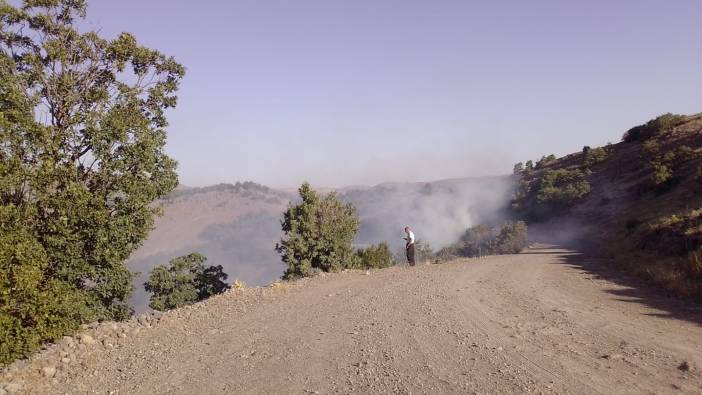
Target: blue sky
(361, 92)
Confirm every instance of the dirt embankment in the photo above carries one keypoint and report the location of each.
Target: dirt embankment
(546, 321)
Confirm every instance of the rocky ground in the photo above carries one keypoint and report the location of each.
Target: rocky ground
(546, 321)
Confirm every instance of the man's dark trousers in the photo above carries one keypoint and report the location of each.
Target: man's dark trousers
(410, 254)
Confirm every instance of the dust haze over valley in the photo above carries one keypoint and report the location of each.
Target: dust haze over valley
(237, 226)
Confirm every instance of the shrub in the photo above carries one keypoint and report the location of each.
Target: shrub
(653, 127)
(662, 172)
(594, 156)
(374, 257)
(545, 160)
(476, 241)
(676, 235)
(481, 240)
(561, 188)
(184, 281)
(318, 233)
(518, 169)
(511, 239)
(665, 166)
(684, 153)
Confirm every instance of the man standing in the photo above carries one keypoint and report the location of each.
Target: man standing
(409, 246)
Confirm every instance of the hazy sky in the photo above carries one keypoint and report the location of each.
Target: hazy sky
(349, 92)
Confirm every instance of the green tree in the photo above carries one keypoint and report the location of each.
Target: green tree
(561, 188)
(318, 233)
(184, 281)
(82, 135)
(82, 144)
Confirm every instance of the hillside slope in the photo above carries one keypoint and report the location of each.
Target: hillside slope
(637, 201)
(544, 321)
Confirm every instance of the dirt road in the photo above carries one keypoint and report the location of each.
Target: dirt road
(546, 321)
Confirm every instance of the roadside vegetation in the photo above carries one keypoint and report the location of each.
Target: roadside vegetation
(374, 257)
(82, 136)
(185, 280)
(482, 240)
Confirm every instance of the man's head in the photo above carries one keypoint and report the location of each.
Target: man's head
(407, 228)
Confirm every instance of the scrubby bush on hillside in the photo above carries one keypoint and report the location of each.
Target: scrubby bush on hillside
(664, 166)
(561, 188)
(481, 240)
(662, 170)
(545, 160)
(318, 233)
(78, 180)
(675, 235)
(184, 281)
(685, 153)
(594, 156)
(678, 239)
(653, 127)
(538, 199)
(377, 256)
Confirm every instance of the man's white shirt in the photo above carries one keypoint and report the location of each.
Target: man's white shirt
(410, 237)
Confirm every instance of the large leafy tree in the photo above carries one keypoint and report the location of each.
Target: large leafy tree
(184, 281)
(318, 233)
(82, 135)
